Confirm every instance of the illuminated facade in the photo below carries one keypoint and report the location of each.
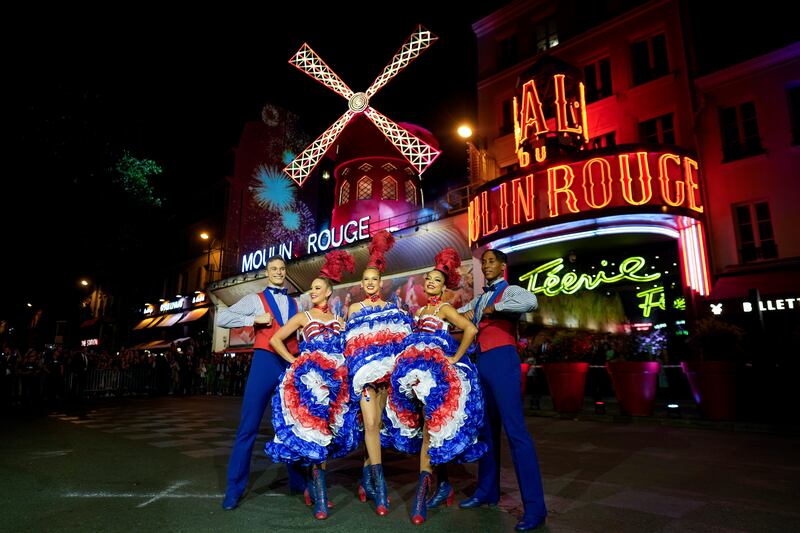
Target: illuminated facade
(749, 147)
(595, 190)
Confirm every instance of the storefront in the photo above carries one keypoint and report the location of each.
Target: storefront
(171, 322)
(610, 240)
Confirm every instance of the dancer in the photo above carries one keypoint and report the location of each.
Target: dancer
(435, 405)
(311, 414)
(374, 331)
(266, 311)
(497, 313)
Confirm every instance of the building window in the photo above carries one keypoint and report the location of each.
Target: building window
(411, 192)
(507, 52)
(344, 193)
(649, 58)
(388, 188)
(506, 117)
(754, 232)
(597, 77)
(365, 188)
(658, 130)
(794, 113)
(739, 132)
(546, 35)
(603, 141)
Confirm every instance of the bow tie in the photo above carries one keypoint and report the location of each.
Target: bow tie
(277, 290)
(488, 288)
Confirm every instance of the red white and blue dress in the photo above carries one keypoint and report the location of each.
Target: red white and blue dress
(311, 411)
(448, 396)
(373, 337)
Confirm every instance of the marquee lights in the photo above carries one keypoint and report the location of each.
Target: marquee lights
(620, 180)
(552, 283)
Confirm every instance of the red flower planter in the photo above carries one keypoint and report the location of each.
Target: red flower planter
(713, 386)
(635, 384)
(567, 382)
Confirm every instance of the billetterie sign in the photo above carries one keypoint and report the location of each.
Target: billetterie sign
(327, 239)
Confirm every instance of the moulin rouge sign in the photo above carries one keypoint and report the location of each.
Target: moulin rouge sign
(577, 184)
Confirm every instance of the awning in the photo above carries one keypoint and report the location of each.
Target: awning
(170, 320)
(775, 283)
(194, 314)
(88, 323)
(144, 323)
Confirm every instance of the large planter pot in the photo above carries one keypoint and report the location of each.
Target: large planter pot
(635, 384)
(523, 369)
(713, 386)
(567, 382)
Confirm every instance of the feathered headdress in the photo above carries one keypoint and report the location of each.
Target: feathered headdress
(381, 243)
(447, 262)
(336, 262)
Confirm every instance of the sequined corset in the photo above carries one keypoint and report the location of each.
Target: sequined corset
(315, 328)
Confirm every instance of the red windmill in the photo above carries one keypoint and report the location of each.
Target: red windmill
(417, 152)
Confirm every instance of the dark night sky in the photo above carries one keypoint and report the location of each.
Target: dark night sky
(177, 88)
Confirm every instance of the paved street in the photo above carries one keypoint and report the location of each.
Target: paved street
(159, 465)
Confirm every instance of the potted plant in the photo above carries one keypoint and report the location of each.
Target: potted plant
(634, 370)
(715, 347)
(565, 367)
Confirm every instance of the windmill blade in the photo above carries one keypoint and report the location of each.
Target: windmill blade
(419, 153)
(309, 62)
(411, 49)
(303, 164)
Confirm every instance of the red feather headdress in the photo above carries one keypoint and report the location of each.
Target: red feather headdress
(381, 243)
(336, 262)
(447, 262)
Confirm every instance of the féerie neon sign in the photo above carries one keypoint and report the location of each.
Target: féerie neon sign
(633, 179)
(547, 280)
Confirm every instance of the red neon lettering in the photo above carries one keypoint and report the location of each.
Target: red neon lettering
(531, 114)
(690, 169)
(562, 122)
(504, 205)
(485, 214)
(474, 218)
(664, 179)
(589, 182)
(522, 199)
(644, 179)
(553, 191)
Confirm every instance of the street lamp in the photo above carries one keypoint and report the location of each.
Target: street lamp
(207, 237)
(85, 283)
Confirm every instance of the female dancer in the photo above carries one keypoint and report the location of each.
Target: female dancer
(435, 405)
(372, 339)
(311, 410)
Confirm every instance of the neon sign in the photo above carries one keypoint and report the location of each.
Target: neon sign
(530, 125)
(780, 304)
(652, 298)
(552, 283)
(632, 179)
(200, 297)
(90, 342)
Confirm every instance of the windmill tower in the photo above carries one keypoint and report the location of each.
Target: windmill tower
(374, 177)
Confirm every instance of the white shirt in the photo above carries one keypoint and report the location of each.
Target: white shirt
(515, 299)
(245, 311)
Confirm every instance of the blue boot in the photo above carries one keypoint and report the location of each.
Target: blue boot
(444, 492)
(420, 510)
(381, 501)
(320, 493)
(366, 487)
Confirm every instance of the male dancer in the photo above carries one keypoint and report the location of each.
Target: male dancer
(496, 312)
(266, 311)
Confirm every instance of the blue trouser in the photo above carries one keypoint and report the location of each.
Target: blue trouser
(265, 371)
(500, 378)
